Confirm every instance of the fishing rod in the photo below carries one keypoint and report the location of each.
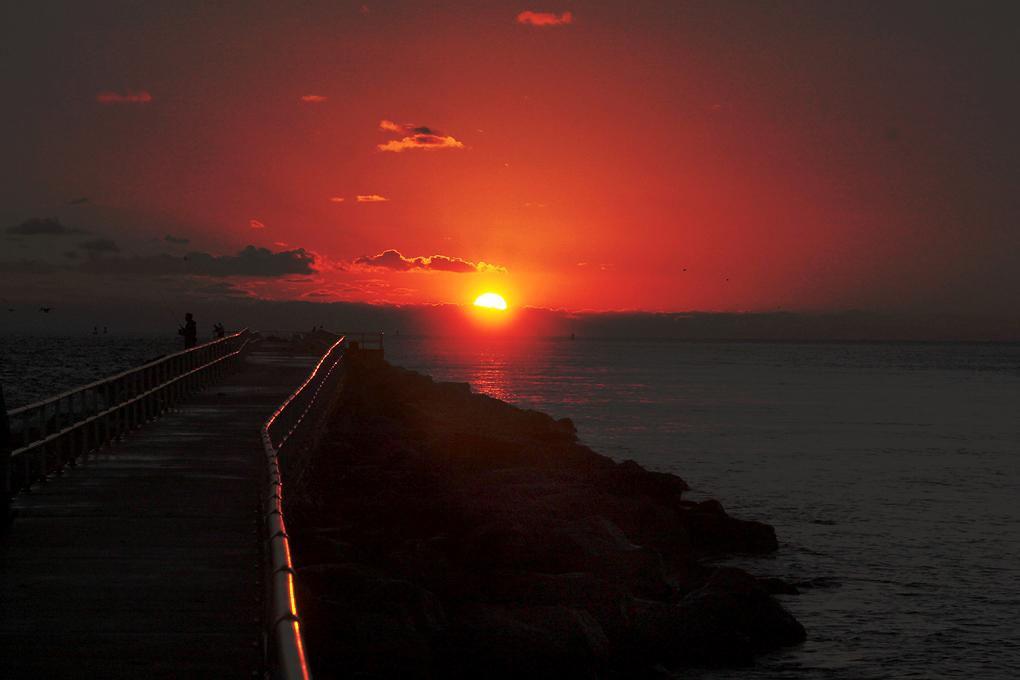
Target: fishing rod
(167, 307)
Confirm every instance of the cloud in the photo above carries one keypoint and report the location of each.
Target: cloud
(416, 137)
(336, 199)
(256, 224)
(178, 240)
(392, 259)
(314, 98)
(45, 226)
(129, 97)
(371, 198)
(251, 261)
(544, 19)
(99, 245)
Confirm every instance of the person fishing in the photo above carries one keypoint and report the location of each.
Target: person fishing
(189, 331)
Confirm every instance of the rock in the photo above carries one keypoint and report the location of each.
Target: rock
(600, 597)
(363, 622)
(630, 479)
(712, 530)
(325, 546)
(447, 534)
(733, 617)
(725, 622)
(494, 641)
(602, 548)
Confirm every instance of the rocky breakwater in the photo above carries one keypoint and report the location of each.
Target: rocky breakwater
(441, 533)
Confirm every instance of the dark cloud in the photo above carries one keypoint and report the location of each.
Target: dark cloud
(392, 259)
(178, 240)
(99, 245)
(252, 261)
(43, 226)
(416, 137)
(451, 264)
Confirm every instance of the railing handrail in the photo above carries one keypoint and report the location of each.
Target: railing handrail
(54, 432)
(295, 393)
(288, 641)
(141, 396)
(117, 376)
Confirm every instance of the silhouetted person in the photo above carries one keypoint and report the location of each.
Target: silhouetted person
(219, 330)
(189, 331)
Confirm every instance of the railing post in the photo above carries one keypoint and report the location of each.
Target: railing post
(105, 433)
(116, 412)
(64, 451)
(44, 427)
(6, 446)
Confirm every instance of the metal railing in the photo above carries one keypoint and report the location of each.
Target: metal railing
(283, 432)
(49, 434)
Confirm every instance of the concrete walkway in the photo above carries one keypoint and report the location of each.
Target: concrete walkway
(145, 561)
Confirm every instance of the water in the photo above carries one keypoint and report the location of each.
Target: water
(32, 368)
(891, 471)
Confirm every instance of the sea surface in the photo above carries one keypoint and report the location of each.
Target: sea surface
(33, 368)
(891, 472)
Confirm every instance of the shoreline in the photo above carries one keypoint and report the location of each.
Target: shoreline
(443, 533)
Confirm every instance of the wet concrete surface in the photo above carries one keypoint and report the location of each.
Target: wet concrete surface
(145, 559)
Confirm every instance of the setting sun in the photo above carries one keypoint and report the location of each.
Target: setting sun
(491, 301)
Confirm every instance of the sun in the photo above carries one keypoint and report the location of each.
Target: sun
(490, 301)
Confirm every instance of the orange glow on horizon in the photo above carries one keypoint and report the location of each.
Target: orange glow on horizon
(544, 154)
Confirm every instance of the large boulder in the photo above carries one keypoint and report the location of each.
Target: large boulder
(495, 641)
(359, 620)
(712, 530)
(725, 622)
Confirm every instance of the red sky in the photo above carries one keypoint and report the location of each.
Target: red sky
(657, 156)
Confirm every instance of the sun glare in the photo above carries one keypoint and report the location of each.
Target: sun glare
(490, 301)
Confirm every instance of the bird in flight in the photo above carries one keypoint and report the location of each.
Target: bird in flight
(45, 310)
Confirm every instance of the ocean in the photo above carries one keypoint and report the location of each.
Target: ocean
(36, 367)
(890, 471)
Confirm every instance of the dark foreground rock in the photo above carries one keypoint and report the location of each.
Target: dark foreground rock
(441, 533)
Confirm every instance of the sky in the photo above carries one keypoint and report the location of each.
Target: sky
(656, 156)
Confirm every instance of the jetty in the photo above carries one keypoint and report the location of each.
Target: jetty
(436, 532)
(148, 537)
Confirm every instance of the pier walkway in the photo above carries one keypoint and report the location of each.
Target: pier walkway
(145, 561)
